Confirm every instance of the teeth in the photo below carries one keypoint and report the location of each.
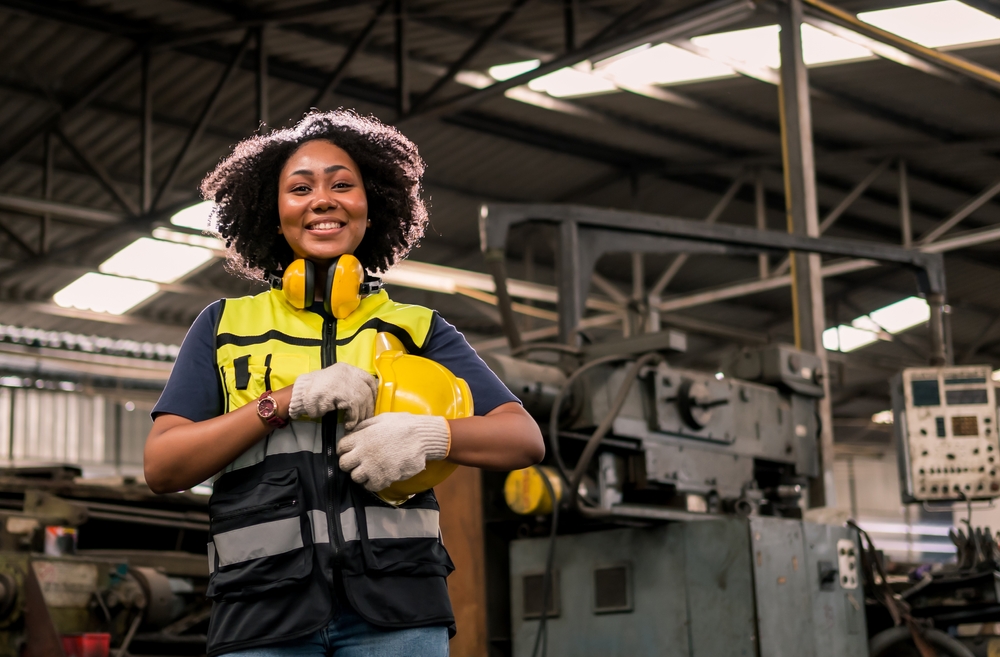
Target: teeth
(326, 225)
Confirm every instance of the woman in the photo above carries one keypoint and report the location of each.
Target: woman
(304, 559)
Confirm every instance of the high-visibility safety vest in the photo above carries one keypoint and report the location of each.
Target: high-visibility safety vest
(291, 535)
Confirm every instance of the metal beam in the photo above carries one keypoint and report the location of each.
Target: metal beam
(359, 43)
(203, 119)
(980, 75)
(668, 275)
(48, 186)
(16, 146)
(402, 61)
(571, 10)
(477, 46)
(146, 134)
(17, 240)
(961, 213)
(742, 289)
(712, 15)
(803, 219)
(842, 207)
(905, 218)
(99, 172)
(623, 21)
(760, 219)
(263, 100)
(63, 210)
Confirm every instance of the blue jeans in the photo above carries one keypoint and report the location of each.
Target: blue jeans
(349, 635)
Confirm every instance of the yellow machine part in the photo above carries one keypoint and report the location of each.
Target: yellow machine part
(412, 384)
(526, 493)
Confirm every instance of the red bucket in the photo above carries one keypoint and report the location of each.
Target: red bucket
(92, 644)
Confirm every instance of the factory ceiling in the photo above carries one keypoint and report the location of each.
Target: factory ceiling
(82, 174)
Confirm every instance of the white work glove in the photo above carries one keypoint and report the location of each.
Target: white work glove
(392, 447)
(337, 387)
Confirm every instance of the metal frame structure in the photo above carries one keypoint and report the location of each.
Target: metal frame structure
(235, 38)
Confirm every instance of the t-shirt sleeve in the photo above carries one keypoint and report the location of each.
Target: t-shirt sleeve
(445, 345)
(192, 390)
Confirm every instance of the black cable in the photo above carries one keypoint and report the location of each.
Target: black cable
(557, 408)
(542, 636)
(882, 642)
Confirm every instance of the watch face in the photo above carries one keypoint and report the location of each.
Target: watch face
(266, 407)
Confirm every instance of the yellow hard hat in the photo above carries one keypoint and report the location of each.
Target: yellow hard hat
(412, 384)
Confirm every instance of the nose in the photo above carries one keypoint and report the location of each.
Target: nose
(322, 201)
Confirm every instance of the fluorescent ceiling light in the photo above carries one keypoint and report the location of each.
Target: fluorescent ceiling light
(507, 71)
(156, 260)
(204, 241)
(105, 294)
(198, 217)
(569, 82)
(936, 24)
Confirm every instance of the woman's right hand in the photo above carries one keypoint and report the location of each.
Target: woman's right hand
(337, 387)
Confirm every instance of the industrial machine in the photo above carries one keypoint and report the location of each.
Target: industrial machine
(716, 467)
(83, 569)
(668, 518)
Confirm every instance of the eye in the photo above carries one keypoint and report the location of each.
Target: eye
(300, 188)
(340, 184)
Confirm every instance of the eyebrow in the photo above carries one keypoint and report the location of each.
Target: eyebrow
(308, 172)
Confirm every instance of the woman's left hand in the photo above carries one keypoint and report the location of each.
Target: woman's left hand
(391, 447)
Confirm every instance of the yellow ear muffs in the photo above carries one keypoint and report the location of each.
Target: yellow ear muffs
(343, 286)
(413, 384)
(298, 283)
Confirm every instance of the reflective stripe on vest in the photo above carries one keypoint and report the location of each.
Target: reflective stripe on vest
(394, 522)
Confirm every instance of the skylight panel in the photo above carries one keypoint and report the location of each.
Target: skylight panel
(760, 46)
(902, 315)
(664, 64)
(156, 260)
(819, 47)
(213, 243)
(757, 45)
(503, 72)
(569, 82)
(105, 294)
(936, 24)
(197, 216)
(851, 338)
(866, 329)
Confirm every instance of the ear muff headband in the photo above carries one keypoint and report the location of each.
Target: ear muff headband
(299, 283)
(343, 286)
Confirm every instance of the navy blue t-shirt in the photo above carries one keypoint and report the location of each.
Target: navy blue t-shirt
(192, 391)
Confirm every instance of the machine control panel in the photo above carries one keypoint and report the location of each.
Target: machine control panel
(946, 427)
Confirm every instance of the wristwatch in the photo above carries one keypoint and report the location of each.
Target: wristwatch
(267, 410)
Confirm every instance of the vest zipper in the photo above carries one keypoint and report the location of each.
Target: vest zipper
(329, 357)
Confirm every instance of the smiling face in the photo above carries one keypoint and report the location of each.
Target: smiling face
(321, 202)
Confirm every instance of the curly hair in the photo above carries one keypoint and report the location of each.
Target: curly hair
(244, 187)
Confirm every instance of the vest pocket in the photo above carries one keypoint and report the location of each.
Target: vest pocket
(261, 537)
(400, 540)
